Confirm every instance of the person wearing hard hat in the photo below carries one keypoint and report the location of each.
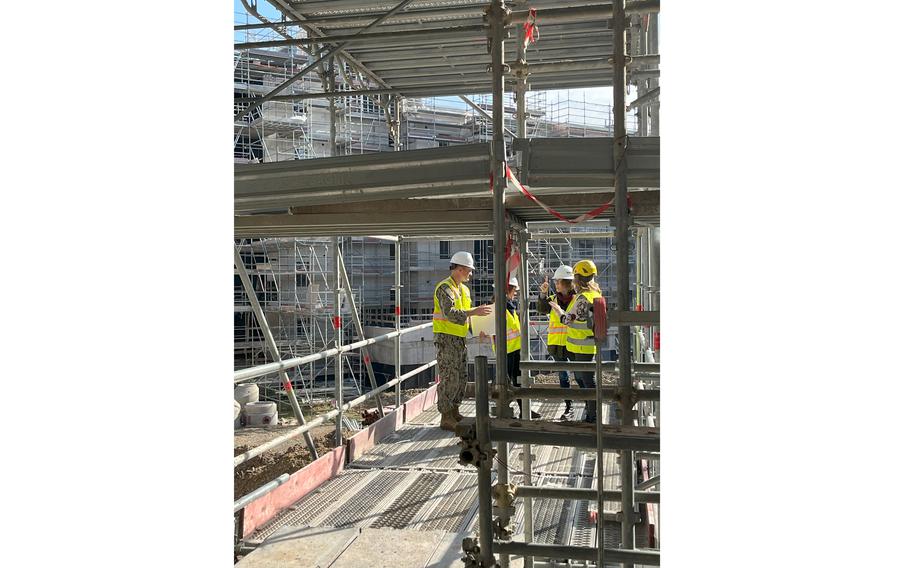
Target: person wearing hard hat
(556, 330)
(451, 310)
(580, 337)
(513, 339)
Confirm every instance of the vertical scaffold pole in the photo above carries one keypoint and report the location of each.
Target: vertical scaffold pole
(620, 142)
(496, 20)
(398, 320)
(336, 323)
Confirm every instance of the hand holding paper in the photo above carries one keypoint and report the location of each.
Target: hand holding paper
(557, 309)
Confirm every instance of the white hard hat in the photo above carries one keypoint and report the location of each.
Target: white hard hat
(513, 282)
(463, 258)
(563, 273)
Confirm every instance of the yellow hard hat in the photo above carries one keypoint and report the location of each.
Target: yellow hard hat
(585, 268)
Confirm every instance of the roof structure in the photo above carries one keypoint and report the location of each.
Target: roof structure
(432, 48)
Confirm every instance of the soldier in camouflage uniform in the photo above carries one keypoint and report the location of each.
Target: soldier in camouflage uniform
(451, 309)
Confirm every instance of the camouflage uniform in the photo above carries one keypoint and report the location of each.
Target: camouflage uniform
(451, 356)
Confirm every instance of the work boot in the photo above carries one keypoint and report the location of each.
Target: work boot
(516, 413)
(448, 422)
(458, 416)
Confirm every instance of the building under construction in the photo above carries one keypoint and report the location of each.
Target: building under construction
(373, 140)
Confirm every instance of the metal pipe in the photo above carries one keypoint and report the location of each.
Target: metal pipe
(398, 318)
(339, 368)
(290, 13)
(583, 13)
(365, 354)
(256, 494)
(437, 35)
(322, 419)
(258, 371)
(620, 141)
(485, 114)
(272, 346)
(598, 429)
(358, 20)
(484, 470)
(545, 392)
(333, 109)
(645, 98)
(536, 365)
(645, 557)
(496, 19)
(363, 92)
(638, 438)
(591, 235)
(648, 483)
(524, 283)
(581, 494)
(414, 239)
(274, 92)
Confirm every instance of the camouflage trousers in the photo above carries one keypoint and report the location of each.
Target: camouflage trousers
(452, 366)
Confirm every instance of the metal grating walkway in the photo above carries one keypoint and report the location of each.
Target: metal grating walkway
(412, 481)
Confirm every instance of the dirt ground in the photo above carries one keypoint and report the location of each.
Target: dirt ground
(293, 454)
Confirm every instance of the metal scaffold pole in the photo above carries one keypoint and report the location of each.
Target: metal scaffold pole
(599, 537)
(496, 20)
(272, 346)
(620, 142)
(333, 111)
(524, 284)
(355, 317)
(485, 466)
(339, 369)
(398, 320)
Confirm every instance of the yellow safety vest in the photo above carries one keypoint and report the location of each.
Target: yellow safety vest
(556, 331)
(580, 339)
(441, 323)
(513, 337)
(513, 333)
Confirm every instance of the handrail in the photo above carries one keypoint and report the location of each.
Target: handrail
(322, 419)
(260, 370)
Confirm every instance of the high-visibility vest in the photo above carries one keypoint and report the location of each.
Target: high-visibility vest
(556, 331)
(441, 323)
(513, 333)
(580, 339)
(513, 337)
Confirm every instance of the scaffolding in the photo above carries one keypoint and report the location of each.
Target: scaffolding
(631, 249)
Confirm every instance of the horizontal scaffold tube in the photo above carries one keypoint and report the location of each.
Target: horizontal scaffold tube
(322, 419)
(258, 371)
(646, 557)
(534, 365)
(581, 494)
(559, 393)
(547, 392)
(257, 493)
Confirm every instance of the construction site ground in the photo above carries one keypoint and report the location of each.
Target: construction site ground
(408, 502)
(293, 454)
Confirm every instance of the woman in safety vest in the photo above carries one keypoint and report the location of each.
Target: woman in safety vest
(556, 330)
(580, 337)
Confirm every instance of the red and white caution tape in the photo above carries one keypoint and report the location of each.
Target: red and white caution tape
(581, 218)
(532, 32)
